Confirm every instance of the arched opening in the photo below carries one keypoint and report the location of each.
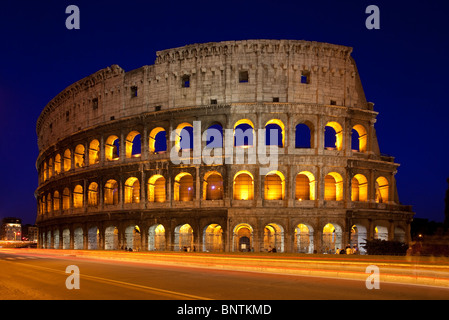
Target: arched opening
(274, 186)
(183, 187)
(44, 171)
(243, 186)
(78, 197)
(111, 192)
(158, 140)
(66, 199)
(156, 188)
(58, 164)
(184, 238)
(132, 190)
(304, 238)
(305, 186)
(381, 233)
(112, 148)
(332, 238)
(93, 238)
(333, 187)
(184, 136)
(303, 136)
(133, 145)
(358, 138)
(212, 186)
(49, 203)
(156, 238)
(359, 188)
(94, 152)
(214, 136)
(92, 195)
(132, 238)
(275, 133)
(382, 190)
(111, 238)
(333, 136)
(399, 235)
(50, 168)
(78, 239)
(358, 238)
(67, 160)
(79, 156)
(273, 239)
(243, 133)
(56, 201)
(56, 239)
(66, 239)
(242, 238)
(213, 238)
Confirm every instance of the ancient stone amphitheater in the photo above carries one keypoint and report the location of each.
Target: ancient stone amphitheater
(174, 155)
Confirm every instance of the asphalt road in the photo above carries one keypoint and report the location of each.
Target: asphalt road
(37, 277)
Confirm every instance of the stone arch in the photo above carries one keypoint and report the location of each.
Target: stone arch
(305, 187)
(273, 238)
(156, 238)
(133, 145)
(112, 148)
(156, 188)
(132, 190)
(333, 187)
(242, 238)
(304, 238)
(243, 133)
(93, 238)
(111, 194)
(381, 232)
(274, 186)
(184, 187)
(332, 238)
(382, 190)
(94, 152)
(183, 238)
(358, 237)
(158, 140)
(133, 238)
(359, 188)
(359, 138)
(212, 186)
(92, 194)
(303, 135)
(79, 156)
(213, 238)
(275, 125)
(67, 162)
(333, 136)
(243, 186)
(78, 197)
(78, 239)
(111, 238)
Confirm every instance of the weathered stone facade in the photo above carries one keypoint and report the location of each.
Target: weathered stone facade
(98, 191)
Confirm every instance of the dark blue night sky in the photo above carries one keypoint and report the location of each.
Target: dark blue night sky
(403, 66)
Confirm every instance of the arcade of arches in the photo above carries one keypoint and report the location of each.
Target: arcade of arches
(214, 237)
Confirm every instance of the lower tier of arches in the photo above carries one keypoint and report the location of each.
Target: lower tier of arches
(223, 231)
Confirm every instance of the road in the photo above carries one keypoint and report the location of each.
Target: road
(26, 276)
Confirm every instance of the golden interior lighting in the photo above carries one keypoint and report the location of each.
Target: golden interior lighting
(281, 125)
(129, 142)
(274, 186)
(243, 186)
(110, 149)
(132, 190)
(156, 188)
(92, 194)
(382, 190)
(333, 187)
(338, 134)
(152, 138)
(183, 187)
(111, 192)
(305, 186)
(56, 200)
(78, 197)
(94, 152)
(67, 160)
(79, 156)
(179, 129)
(212, 186)
(66, 199)
(359, 188)
(363, 137)
(239, 139)
(58, 164)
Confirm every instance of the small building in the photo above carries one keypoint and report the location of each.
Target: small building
(11, 229)
(29, 233)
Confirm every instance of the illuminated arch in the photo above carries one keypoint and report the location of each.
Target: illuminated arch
(111, 238)
(66, 199)
(79, 156)
(274, 186)
(242, 238)
(133, 145)
(381, 233)
(243, 185)
(67, 160)
(156, 188)
(214, 136)
(212, 186)
(241, 131)
(132, 190)
(49, 203)
(56, 200)
(158, 140)
(213, 238)
(94, 152)
(273, 238)
(272, 124)
(305, 186)
(333, 136)
(58, 164)
(183, 238)
(45, 171)
(359, 188)
(359, 138)
(333, 187)
(133, 238)
(112, 148)
(358, 237)
(332, 237)
(78, 197)
(183, 187)
(92, 194)
(184, 132)
(304, 238)
(50, 168)
(111, 192)
(156, 238)
(382, 190)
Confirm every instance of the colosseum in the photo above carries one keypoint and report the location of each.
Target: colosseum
(234, 146)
